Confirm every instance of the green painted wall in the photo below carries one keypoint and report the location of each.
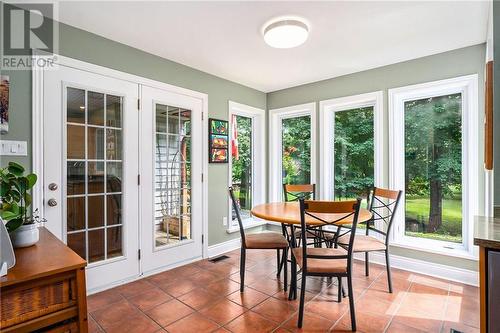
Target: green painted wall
(82, 45)
(455, 63)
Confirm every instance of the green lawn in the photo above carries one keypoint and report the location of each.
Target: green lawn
(451, 229)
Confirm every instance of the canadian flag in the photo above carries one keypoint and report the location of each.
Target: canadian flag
(234, 138)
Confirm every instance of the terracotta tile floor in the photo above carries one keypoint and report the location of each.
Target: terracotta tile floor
(204, 297)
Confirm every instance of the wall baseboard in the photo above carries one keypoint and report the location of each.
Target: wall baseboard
(424, 267)
(218, 249)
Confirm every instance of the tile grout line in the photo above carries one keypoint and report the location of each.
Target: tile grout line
(445, 307)
(355, 301)
(399, 305)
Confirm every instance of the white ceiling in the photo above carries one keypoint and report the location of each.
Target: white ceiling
(224, 38)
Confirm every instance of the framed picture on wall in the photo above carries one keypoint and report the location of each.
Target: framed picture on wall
(218, 140)
(4, 104)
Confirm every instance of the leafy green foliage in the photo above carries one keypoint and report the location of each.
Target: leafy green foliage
(354, 153)
(15, 196)
(296, 155)
(433, 162)
(242, 167)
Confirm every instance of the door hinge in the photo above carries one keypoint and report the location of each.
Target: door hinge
(138, 104)
(202, 116)
(202, 239)
(202, 178)
(139, 254)
(138, 180)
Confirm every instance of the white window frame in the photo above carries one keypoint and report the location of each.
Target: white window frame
(327, 136)
(276, 117)
(468, 87)
(258, 161)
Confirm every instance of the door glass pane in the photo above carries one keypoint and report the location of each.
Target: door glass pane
(95, 106)
(113, 144)
(296, 153)
(75, 177)
(95, 143)
(76, 213)
(114, 241)
(96, 245)
(75, 149)
(113, 111)
(241, 159)
(77, 242)
(75, 106)
(354, 153)
(172, 175)
(96, 211)
(433, 168)
(94, 174)
(95, 177)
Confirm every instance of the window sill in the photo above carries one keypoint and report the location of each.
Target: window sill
(461, 253)
(247, 224)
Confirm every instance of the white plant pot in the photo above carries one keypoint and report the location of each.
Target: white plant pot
(25, 235)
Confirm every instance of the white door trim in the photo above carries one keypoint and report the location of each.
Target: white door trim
(37, 123)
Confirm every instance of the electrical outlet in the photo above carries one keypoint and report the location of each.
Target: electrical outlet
(224, 221)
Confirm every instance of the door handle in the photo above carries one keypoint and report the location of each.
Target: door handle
(52, 186)
(52, 202)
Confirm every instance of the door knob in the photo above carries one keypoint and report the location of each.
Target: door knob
(52, 186)
(52, 202)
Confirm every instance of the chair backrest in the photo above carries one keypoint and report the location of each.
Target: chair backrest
(342, 210)
(383, 205)
(295, 192)
(236, 208)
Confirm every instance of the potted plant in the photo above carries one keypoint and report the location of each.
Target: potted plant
(15, 202)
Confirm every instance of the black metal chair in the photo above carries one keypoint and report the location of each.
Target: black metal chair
(383, 205)
(262, 241)
(325, 262)
(291, 193)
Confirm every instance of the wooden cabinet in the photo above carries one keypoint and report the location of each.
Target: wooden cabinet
(487, 237)
(45, 291)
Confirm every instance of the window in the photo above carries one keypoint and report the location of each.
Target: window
(172, 175)
(241, 163)
(292, 137)
(434, 158)
(246, 161)
(351, 146)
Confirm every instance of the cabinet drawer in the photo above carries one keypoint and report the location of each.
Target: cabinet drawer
(26, 301)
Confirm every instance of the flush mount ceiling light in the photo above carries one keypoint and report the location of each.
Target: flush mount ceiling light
(284, 33)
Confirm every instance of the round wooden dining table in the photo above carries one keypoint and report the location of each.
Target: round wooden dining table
(289, 213)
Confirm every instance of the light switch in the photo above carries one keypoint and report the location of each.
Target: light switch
(13, 148)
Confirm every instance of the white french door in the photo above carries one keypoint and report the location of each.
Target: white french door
(171, 178)
(90, 168)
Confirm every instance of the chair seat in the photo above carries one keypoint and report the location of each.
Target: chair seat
(327, 266)
(265, 240)
(363, 243)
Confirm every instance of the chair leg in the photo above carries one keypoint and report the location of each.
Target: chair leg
(293, 279)
(284, 261)
(242, 269)
(351, 303)
(367, 264)
(302, 299)
(340, 289)
(278, 262)
(388, 267)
